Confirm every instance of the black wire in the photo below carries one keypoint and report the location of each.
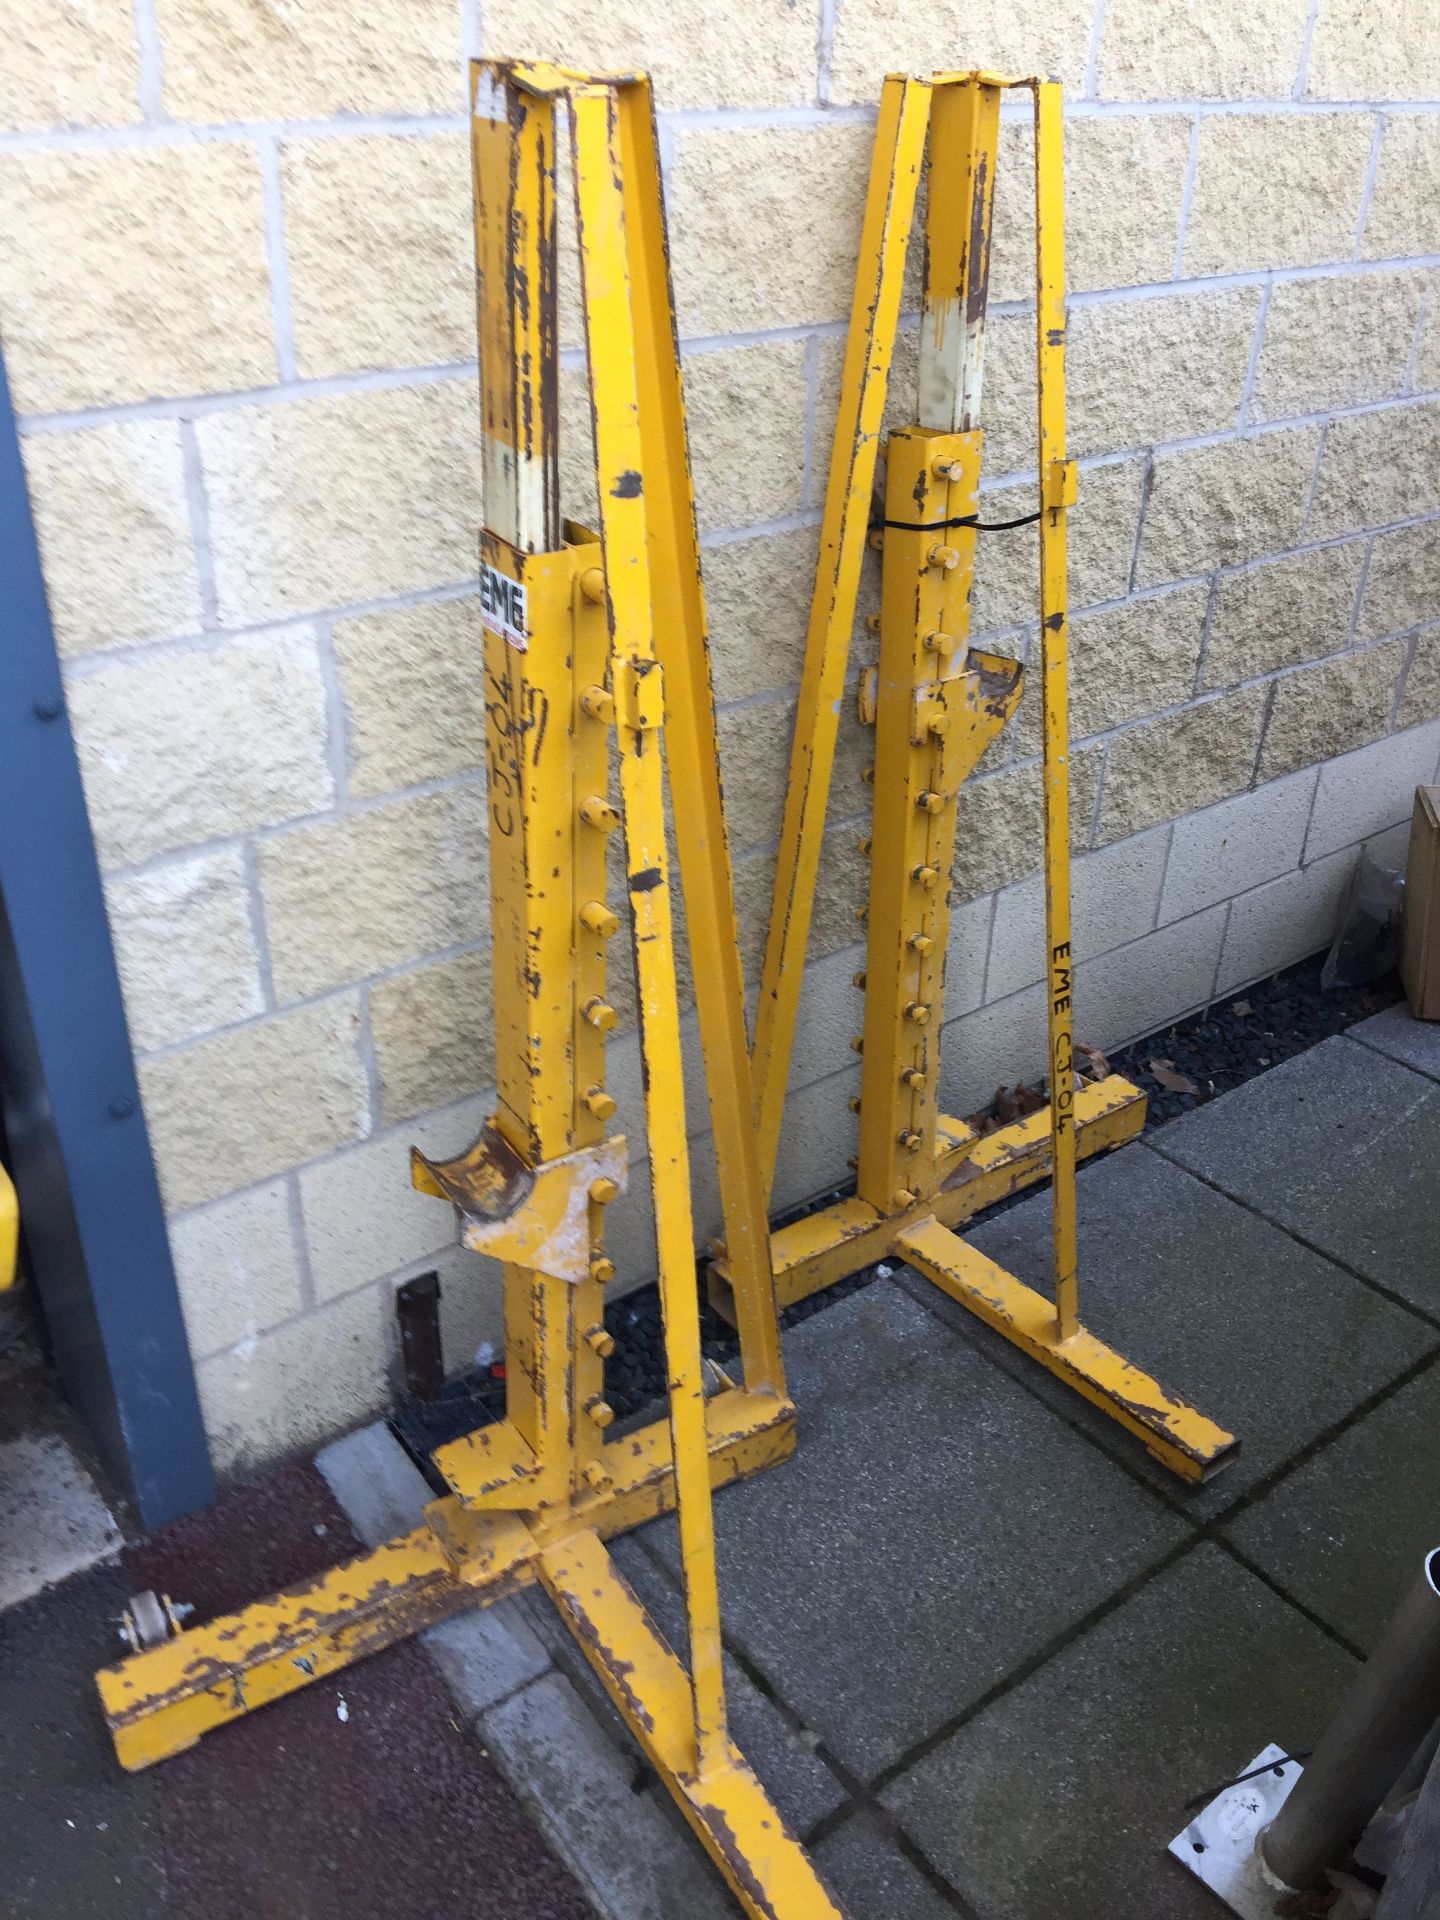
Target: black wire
(1270, 1766)
(965, 520)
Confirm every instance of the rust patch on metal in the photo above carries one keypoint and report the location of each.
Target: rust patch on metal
(728, 1847)
(389, 1611)
(608, 1663)
(977, 265)
(489, 1181)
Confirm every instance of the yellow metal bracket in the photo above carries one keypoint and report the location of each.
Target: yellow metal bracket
(592, 642)
(538, 1217)
(639, 695)
(935, 704)
(1062, 485)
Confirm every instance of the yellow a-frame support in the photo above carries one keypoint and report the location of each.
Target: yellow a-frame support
(586, 634)
(936, 704)
(590, 634)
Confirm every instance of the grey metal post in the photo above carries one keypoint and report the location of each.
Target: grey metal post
(90, 1206)
(1385, 1716)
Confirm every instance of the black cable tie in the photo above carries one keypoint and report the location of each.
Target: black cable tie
(965, 520)
(1270, 1766)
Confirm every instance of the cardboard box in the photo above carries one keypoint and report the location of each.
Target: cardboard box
(1420, 938)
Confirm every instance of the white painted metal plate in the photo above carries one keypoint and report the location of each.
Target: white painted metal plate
(1218, 1846)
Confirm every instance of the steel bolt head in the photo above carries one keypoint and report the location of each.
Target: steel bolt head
(600, 919)
(598, 812)
(603, 1191)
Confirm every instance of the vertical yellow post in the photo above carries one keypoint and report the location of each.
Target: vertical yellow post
(600, 203)
(964, 134)
(927, 735)
(889, 210)
(693, 762)
(930, 479)
(512, 148)
(538, 748)
(1057, 493)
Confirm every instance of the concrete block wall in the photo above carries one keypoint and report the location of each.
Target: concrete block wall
(237, 313)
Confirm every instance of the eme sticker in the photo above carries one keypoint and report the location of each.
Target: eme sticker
(502, 606)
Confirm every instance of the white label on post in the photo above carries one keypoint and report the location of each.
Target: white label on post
(502, 606)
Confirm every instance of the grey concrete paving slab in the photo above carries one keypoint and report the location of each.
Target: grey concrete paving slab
(782, 1754)
(633, 1859)
(1057, 1801)
(936, 1527)
(484, 1656)
(872, 1878)
(1345, 1532)
(53, 1518)
(1339, 1145)
(1271, 1340)
(380, 1487)
(1415, 1043)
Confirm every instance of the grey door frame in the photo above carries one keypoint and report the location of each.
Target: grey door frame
(91, 1218)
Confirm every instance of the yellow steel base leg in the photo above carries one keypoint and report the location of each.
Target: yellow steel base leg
(972, 1173)
(161, 1701)
(1179, 1437)
(765, 1865)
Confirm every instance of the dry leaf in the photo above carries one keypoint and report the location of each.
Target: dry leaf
(1173, 1081)
(1096, 1065)
(1242, 1009)
(1013, 1103)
